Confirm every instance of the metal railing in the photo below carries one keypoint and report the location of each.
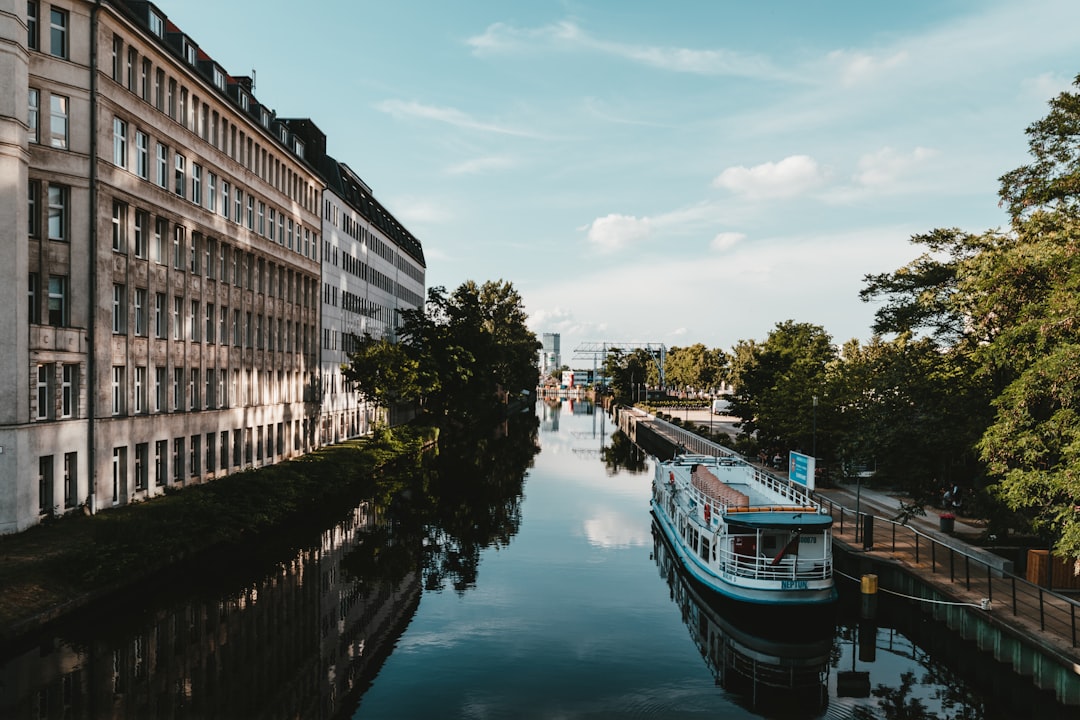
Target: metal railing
(970, 576)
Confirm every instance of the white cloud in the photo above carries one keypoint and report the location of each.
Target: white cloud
(449, 116)
(420, 210)
(726, 240)
(614, 232)
(886, 166)
(794, 175)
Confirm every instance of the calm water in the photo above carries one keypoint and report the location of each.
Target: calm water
(518, 579)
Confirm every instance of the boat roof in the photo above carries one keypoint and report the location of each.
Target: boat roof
(807, 519)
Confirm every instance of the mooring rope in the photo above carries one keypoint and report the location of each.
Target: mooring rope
(985, 605)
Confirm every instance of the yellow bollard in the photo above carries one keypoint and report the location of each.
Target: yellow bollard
(869, 587)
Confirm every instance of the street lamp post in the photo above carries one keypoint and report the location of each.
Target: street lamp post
(813, 448)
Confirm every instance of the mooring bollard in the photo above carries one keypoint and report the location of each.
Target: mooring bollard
(869, 596)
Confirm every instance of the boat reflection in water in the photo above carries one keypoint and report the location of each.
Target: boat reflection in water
(766, 666)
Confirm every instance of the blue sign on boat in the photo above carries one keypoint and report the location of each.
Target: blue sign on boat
(801, 469)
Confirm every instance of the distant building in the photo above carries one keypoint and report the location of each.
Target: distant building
(550, 357)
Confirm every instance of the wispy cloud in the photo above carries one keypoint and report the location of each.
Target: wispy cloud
(614, 232)
(791, 176)
(567, 35)
(726, 240)
(861, 68)
(478, 166)
(449, 116)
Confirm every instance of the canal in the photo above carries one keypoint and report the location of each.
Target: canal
(514, 576)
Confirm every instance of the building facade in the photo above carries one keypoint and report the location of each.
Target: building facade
(372, 269)
(163, 235)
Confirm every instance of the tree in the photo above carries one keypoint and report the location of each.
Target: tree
(381, 371)
(776, 381)
(695, 366)
(471, 348)
(629, 372)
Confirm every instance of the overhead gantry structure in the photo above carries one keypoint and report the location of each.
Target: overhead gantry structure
(599, 350)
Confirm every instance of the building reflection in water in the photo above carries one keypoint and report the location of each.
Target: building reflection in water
(765, 666)
(301, 641)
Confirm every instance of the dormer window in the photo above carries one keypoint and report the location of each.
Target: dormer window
(189, 53)
(244, 100)
(219, 78)
(157, 25)
(266, 119)
(283, 134)
(298, 148)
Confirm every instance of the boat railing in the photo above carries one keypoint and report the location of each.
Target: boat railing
(761, 567)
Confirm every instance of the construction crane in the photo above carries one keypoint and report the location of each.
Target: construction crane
(599, 350)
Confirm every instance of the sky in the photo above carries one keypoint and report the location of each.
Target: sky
(692, 171)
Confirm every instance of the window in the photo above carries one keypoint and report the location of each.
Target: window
(161, 231)
(250, 213)
(272, 216)
(140, 390)
(140, 312)
(262, 218)
(44, 391)
(224, 454)
(182, 118)
(58, 121)
(32, 25)
(58, 21)
(132, 63)
(142, 221)
(58, 301)
(178, 459)
(159, 389)
(161, 452)
(119, 473)
(239, 206)
(170, 99)
(141, 465)
(196, 454)
(225, 199)
(45, 484)
(157, 25)
(33, 294)
(33, 195)
(119, 309)
(119, 143)
(144, 80)
(69, 390)
(162, 165)
(159, 315)
(119, 227)
(219, 78)
(211, 192)
(177, 387)
(193, 389)
(118, 389)
(178, 318)
(181, 177)
(71, 479)
(159, 89)
(211, 439)
(142, 155)
(194, 323)
(58, 216)
(33, 113)
(223, 326)
(195, 253)
(209, 395)
(178, 247)
(196, 183)
(211, 318)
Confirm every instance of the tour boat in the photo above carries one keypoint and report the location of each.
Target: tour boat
(744, 533)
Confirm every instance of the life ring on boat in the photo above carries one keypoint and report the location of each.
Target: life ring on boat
(708, 513)
(671, 478)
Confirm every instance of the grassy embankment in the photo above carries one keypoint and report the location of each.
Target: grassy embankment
(63, 563)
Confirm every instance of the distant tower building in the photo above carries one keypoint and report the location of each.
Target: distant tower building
(552, 359)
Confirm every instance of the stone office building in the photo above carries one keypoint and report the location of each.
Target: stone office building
(372, 269)
(161, 269)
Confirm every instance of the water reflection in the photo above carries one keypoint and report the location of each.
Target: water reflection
(296, 630)
(764, 668)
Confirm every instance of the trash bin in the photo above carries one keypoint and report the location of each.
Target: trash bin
(868, 532)
(948, 523)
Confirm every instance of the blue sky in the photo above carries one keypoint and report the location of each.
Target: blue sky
(672, 172)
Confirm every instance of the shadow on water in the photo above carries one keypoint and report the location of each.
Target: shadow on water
(295, 625)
